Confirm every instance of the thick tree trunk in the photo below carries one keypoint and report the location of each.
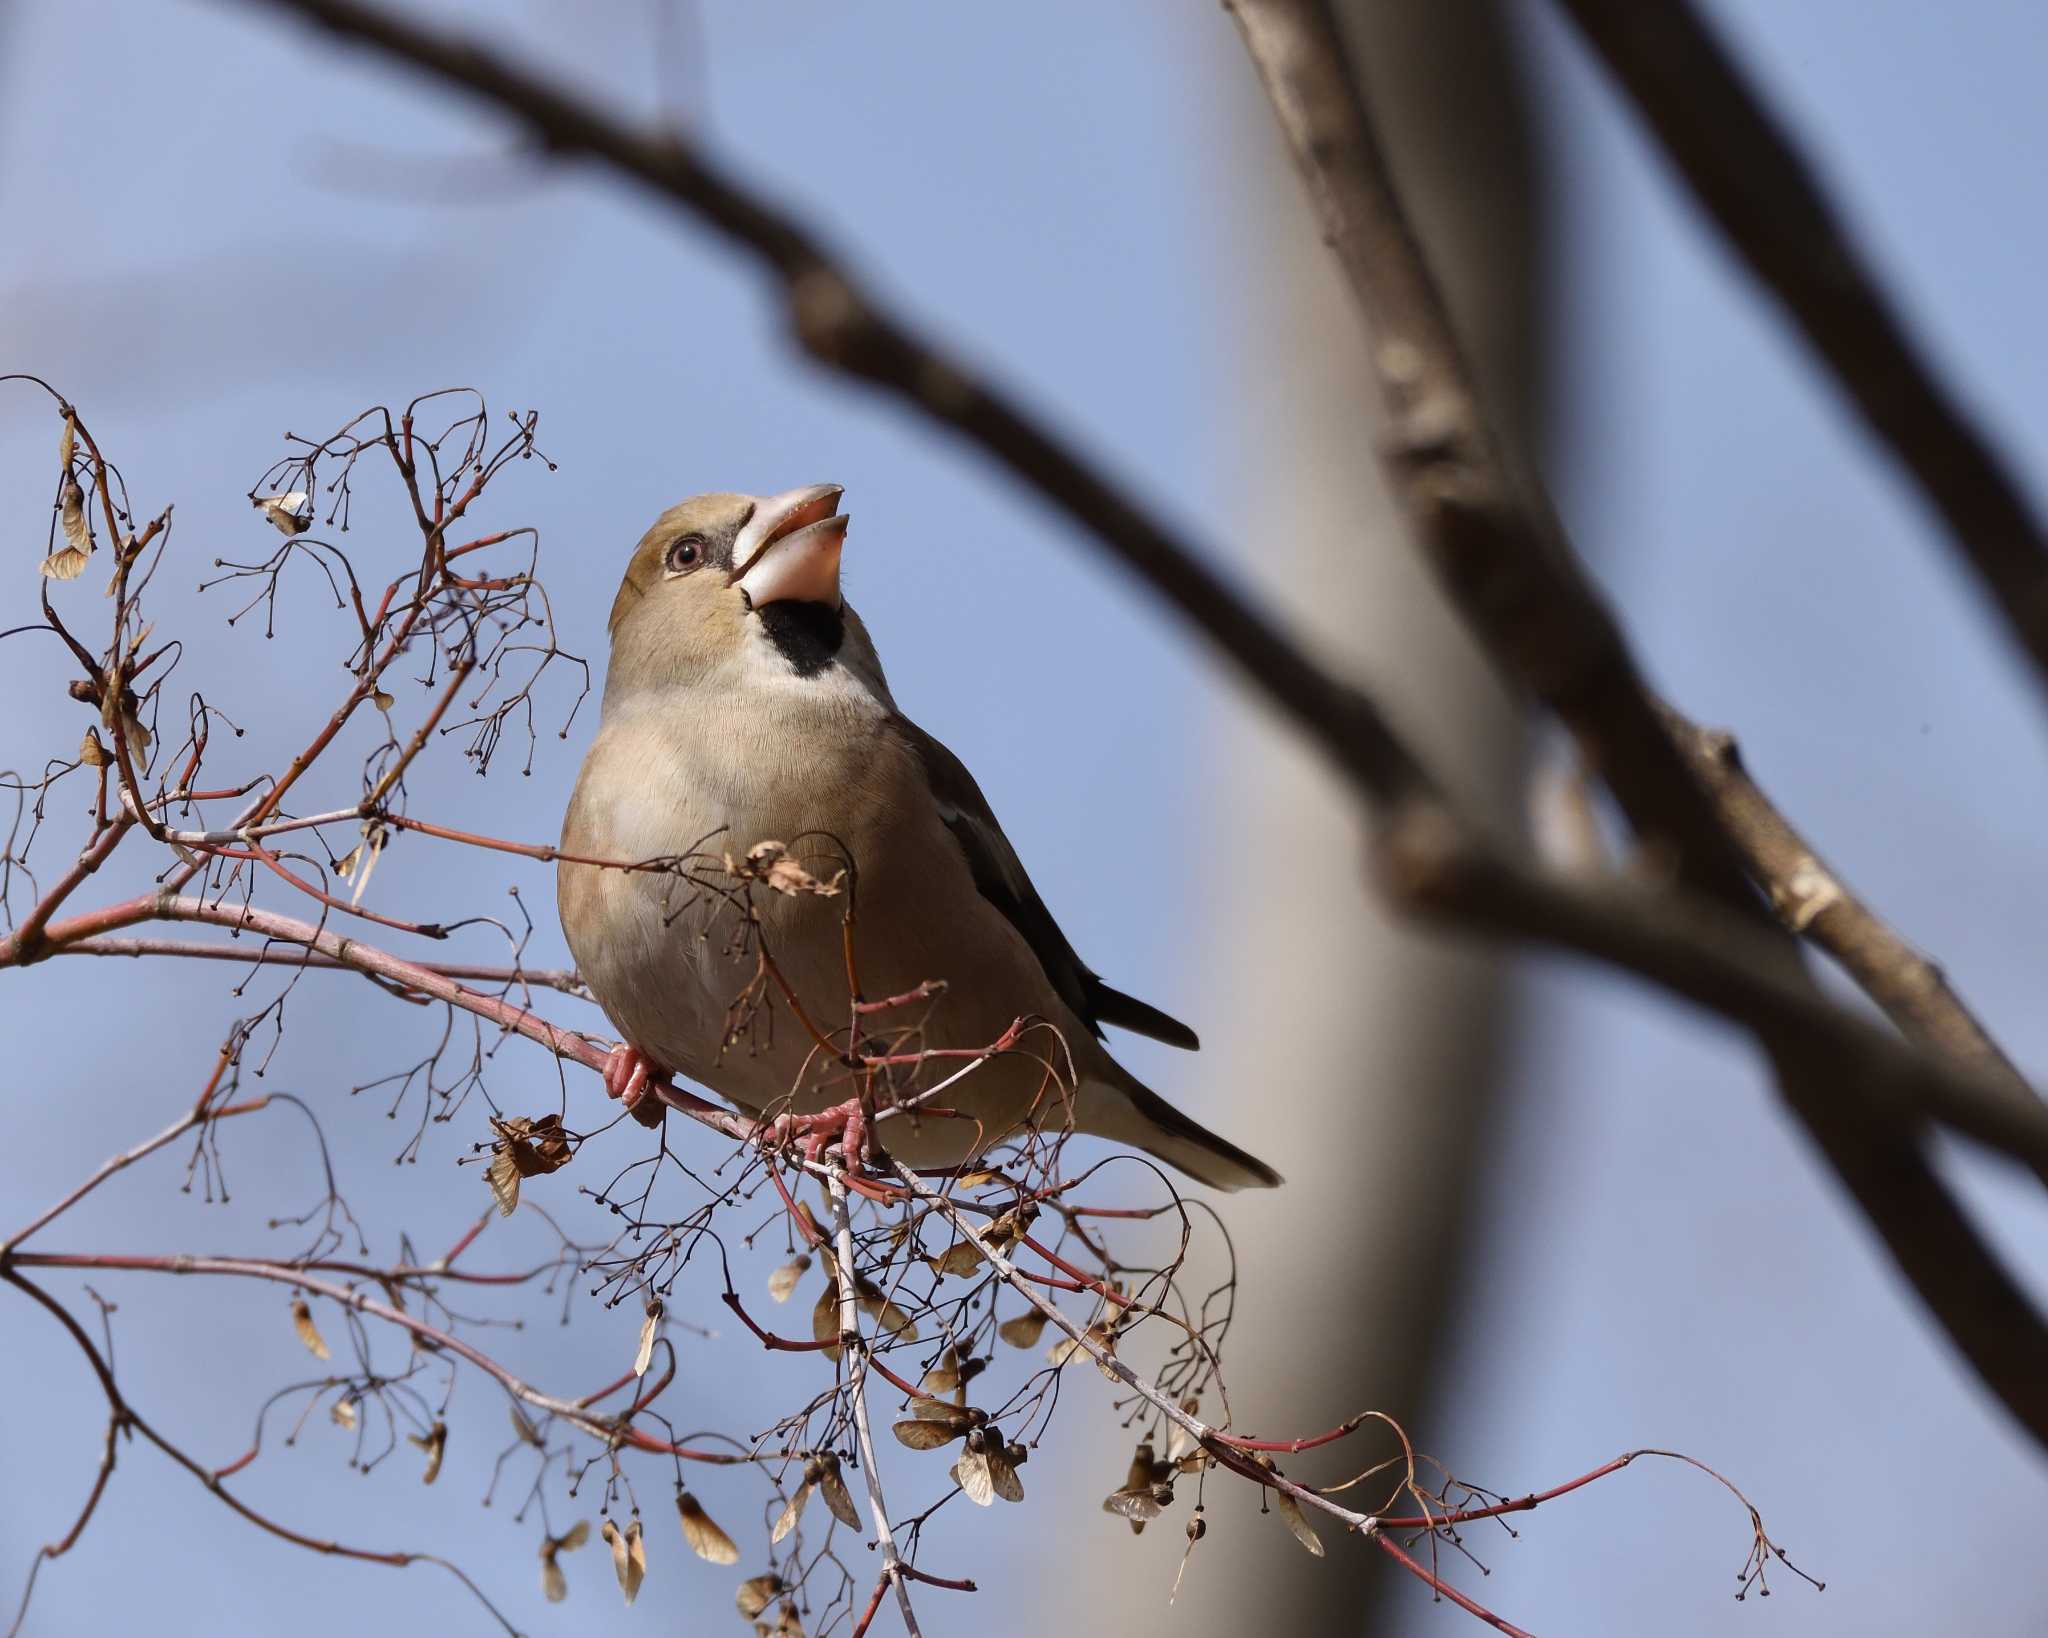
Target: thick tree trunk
(1376, 1074)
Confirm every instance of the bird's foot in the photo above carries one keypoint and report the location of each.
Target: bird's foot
(844, 1125)
(634, 1078)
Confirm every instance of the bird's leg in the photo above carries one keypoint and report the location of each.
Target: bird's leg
(632, 1077)
(847, 1122)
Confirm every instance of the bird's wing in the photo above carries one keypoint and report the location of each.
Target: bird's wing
(1000, 877)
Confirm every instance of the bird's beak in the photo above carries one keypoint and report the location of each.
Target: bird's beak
(789, 550)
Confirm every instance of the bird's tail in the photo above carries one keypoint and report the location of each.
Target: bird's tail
(1127, 1111)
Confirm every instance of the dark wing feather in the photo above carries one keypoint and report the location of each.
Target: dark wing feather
(1000, 878)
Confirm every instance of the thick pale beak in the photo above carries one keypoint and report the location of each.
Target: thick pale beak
(789, 550)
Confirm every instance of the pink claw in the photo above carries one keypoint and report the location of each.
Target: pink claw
(632, 1077)
(846, 1122)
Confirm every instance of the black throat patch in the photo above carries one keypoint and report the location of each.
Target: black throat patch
(807, 635)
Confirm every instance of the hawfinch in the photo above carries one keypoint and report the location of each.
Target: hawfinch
(745, 705)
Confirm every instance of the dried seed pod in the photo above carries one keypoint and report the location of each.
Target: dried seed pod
(69, 560)
(342, 1413)
(435, 1443)
(933, 1423)
(825, 1319)
(1024, 1330)
(877, 1306)
(526, 1428)
(792, 1510)
(943, 1377)
(1100, 1334)
(984, 1470)
(757, 1593)
(290, 512)
(525, 1148)
(553, 1584)
(783, 1281)
(962, 1257)
(629, 1556)
(1146, 1491)
(1014, 1224)
(309, 1333)
(832, 1486)
(1140, 1505)
(1291, 1515)
(702, 1533)
(644, 1354)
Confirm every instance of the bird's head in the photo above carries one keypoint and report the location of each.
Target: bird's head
(723, 583)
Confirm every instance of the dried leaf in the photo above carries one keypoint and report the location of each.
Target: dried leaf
(309, 1333)
(138, 737)
(702, 1533)
(1291, 1515)
(792, 1511)
(525, 1148)
(629, 1556)
(962, 1257)
(290, 511)
(435, 1443)
(342, 1413)
(757, 1593)
(832, 1486)
(1023, 1331)
(91, 752)
(783, 1281)
(644, 1354)
(770, 864)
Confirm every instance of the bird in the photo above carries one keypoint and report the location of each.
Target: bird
(747, 733)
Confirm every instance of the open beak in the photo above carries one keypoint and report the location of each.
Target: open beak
(789, 550)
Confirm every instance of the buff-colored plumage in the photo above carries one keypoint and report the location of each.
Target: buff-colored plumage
(744, 704)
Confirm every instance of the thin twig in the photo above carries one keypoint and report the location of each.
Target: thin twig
(854, 1352)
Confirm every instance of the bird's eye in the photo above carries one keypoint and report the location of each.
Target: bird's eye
(686, 554)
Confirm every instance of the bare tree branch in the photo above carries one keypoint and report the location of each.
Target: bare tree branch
(1505, 562)
(1814, 902)
(1746, 173)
